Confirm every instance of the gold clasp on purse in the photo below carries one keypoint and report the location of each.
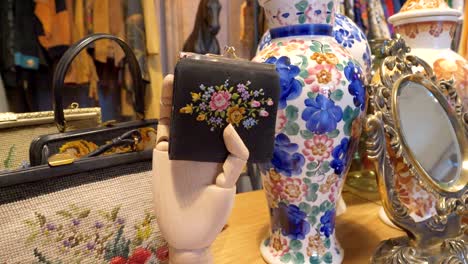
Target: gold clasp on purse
(229, 53)
(60, 159)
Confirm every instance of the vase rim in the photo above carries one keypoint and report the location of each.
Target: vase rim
(427, 15)
(302, 30)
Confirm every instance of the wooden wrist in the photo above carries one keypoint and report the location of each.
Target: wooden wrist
(194, 256)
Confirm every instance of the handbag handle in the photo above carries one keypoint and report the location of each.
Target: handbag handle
(130, 138)
(65, 62)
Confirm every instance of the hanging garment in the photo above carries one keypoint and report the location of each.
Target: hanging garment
(7, 36)
(153, 94)
(384, 8)
(378, 24)
(109, 89)
(19, 47)
(247, 27)
(101, 25)
(365, 16)
(390, 10)
(358, 15)
(55, 19)
(22, 64)
(390, 7)
(109, 19)
(135, 33)
(27, 51)
(243, 14)
(116, 28)
(349, 9)
(3, 99)
(82, 70)
(396, 6)
(262, 25)
(89, 14)
(136, 39)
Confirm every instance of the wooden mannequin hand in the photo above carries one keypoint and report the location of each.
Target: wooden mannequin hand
(193, 200)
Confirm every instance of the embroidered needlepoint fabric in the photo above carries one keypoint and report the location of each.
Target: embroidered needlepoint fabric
(100, 217)
(209, 95)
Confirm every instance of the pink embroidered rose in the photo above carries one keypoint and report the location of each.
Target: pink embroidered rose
(281, 120)
(263, 113)
(318, 148)
(270, 102)
(220, 101)
(255, 103)
(292, 189)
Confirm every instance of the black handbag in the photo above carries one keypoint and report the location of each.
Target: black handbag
(96, 209)
(80, 143)
(211, 92)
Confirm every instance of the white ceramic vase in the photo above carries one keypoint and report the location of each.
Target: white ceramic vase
(321, 106)
(428, 28)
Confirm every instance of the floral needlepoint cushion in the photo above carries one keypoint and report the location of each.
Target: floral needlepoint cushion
(212, 92)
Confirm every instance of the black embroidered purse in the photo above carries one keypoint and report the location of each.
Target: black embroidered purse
(211, 92)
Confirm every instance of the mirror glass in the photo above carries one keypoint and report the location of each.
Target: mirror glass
(428, 132)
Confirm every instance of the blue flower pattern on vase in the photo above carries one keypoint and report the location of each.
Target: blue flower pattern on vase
(344, 37)
(321, 114)
(356, 87)
(339, 155)
(352, 38)
(290, 87)
(285, 159)
(292, 221)
(266, 40)
(328, 223)
(353, 30)
(318, 108)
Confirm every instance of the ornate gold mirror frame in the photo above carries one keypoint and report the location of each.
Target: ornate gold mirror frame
(440, 237)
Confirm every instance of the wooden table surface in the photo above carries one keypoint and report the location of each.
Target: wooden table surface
(359, 230)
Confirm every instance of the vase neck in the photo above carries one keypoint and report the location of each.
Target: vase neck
(302, 30)
(284, 13)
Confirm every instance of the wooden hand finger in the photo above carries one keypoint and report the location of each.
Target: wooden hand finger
(165, 113)
(236, 160)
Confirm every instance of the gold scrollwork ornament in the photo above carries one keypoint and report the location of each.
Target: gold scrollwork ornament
(442, 238)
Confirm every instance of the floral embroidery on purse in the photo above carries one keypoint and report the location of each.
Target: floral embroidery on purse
(221, 105)
(80, 234)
